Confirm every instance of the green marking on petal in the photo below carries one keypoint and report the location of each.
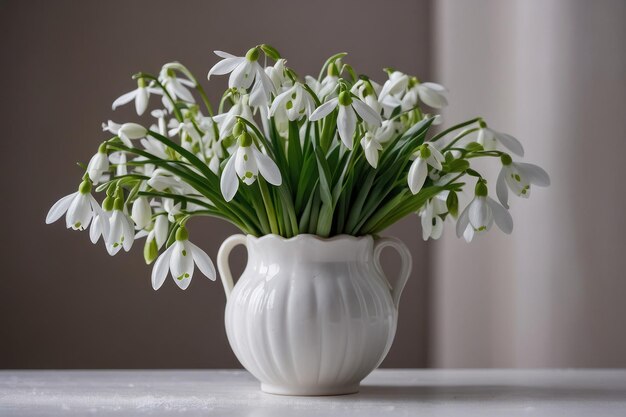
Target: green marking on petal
(184, 252)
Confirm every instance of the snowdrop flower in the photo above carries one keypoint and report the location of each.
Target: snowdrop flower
(518, 177)
(162, 180)
(158, 233)
(480, 214)
(176, 87)
(490, 138)
(160, 115)
(296, 101)
(430, 216)
(243, 72)
(426, 155)
(180, 259)
(349, 107)
(432, 94)
(126, 131)
(98, 165)
(277, 74)
(226, 121)
(139, 95)
(121, 229)
(367, 92)
(101, 222)
(373, 140)
(119, 159)
(187, 131)
(79, 208)
(141, 212)
(246, 164)
(395, 85)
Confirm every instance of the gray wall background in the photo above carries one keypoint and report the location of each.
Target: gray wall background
(65, 303)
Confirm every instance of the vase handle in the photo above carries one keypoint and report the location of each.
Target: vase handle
(405, 260)
(222, 261)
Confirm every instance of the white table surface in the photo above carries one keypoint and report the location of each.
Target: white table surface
(484, 393)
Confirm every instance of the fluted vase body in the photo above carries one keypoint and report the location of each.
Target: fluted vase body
(310, 316)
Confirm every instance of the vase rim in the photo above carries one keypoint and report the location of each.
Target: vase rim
(305, 236)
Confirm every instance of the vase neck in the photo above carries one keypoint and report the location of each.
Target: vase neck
(310, 248)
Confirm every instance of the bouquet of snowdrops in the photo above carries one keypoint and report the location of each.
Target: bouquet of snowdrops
(285, 155)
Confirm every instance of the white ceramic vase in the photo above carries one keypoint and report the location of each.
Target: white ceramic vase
(311, 316)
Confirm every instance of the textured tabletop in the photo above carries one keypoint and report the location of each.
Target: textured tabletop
(464, 393)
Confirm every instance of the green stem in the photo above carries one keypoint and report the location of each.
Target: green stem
(455, 127)
(269, 206)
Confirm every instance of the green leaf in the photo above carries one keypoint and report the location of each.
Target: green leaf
(456, 165)
(452, 202)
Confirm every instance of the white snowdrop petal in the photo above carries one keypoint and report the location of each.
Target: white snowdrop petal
(141, 100)
(510, 142)
(502, 191)
(433, 98)
(161, 266)
(181, 265)
(501, 216)
(229, 182)
(324, 110)
(124, 99)
(225, 55)
(128, 233)
(437, 228)
(280, 100)
(59, 208)
(224, 66)
(132, 131)
(535, 174)
(161, 228)
(417, 175)
(141, 212)
(367, 113)
(346, 125)
(180, 90)
(203, 261)
(79, 213)
(95, 229)
(268, 168)
(435, 87)
(479, 213)
(462, 222)
(242, 76)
